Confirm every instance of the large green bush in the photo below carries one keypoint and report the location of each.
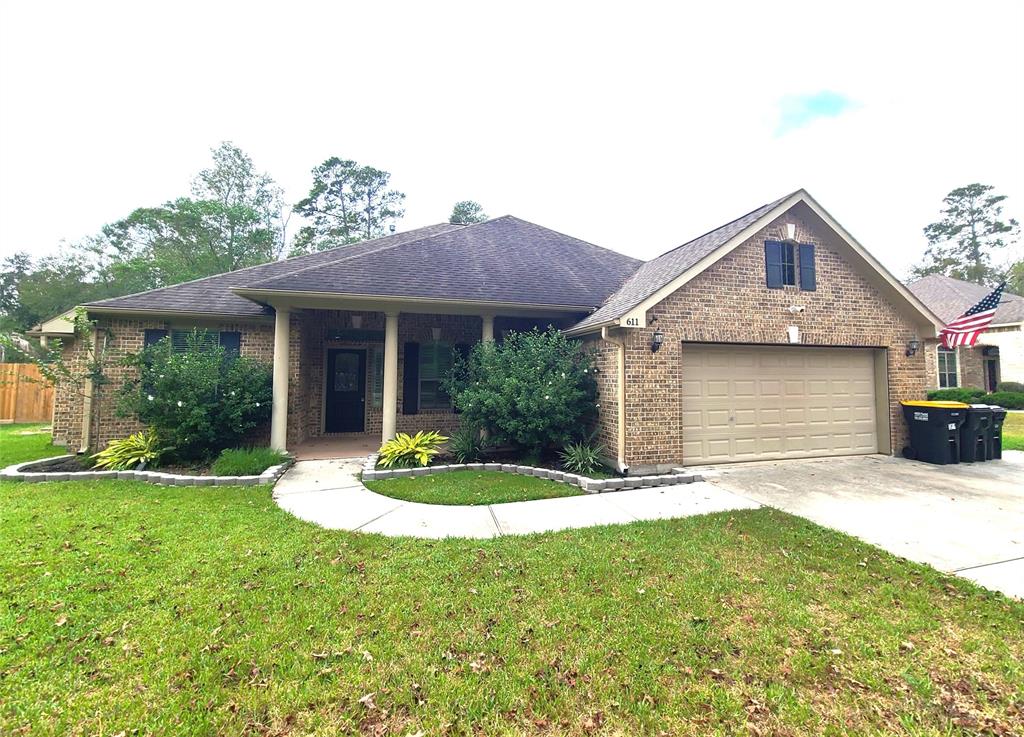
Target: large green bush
(1007, 399)
(199, 400)
(535, 390)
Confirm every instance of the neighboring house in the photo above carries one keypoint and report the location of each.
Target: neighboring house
(774, 336)
(999, 353)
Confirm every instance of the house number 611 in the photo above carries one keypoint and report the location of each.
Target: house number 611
(632, 322)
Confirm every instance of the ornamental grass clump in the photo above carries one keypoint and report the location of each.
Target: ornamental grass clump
(135, 451)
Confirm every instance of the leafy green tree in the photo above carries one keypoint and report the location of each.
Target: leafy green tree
(535, 389)
(348, 203)
(467, 212)
(1014, 278)
(972, 228)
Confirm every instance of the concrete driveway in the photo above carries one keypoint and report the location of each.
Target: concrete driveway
(966, 519)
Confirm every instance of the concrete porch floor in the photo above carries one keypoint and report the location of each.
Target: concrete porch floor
(337, 446)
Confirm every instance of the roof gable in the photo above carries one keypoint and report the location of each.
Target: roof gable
(657, 279)
(949, 298)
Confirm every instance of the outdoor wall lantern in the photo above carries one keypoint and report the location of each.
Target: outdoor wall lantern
(791, 232)
(357, 321)
(656, 340)
(912, 346)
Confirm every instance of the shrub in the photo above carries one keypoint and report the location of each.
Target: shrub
(581, 457)
(198, 400)
(1008, 400)
(535, 390)
(466, 444)
(406, 451)
(1010, 386)
(246, 461)
(130, 452)
(959, 394)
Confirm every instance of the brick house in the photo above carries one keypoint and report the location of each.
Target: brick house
(999, 353)
(776, 335)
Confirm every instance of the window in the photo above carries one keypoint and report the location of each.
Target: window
(779, 264)
(229, 340)
(435, 363)
(947, 368)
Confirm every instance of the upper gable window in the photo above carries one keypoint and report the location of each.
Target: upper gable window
(780, 265)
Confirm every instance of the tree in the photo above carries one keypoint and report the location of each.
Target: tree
(467, 212)
(348, 203)
(1014, 278)
(962, 243)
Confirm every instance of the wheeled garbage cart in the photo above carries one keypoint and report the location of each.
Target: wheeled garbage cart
(934, 431)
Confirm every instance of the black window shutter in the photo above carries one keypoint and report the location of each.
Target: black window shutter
(152, 337)
(808, 281)
(411, 379)
(773, 264)
(231, 342)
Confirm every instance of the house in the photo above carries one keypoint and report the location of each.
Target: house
(999, 353)
(776, 335)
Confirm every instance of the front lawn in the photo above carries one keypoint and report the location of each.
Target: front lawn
(25, 443)
(1013, 431)
(132, 608)
(471, 487)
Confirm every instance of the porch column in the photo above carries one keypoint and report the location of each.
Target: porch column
(390, 419)
(487, 334)
(279, 413)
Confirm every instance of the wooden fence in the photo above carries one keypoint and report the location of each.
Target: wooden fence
(21, 400)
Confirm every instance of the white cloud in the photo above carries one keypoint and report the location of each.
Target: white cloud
(632, 125)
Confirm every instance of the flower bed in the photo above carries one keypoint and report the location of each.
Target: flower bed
(55, 469)
(588, 485)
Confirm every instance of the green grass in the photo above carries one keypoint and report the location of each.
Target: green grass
(246, 461)
(25, 443)
(132, 608)
(1013, 431)
(471, 487)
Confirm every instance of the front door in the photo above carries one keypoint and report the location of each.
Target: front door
(345, 403)
(991, 374)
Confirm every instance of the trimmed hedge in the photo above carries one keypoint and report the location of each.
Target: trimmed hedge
(969, 395)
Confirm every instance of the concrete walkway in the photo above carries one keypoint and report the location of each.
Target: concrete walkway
(327, 493)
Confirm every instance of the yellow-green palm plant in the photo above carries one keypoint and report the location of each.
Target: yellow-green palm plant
(130, 452)
(411, 450)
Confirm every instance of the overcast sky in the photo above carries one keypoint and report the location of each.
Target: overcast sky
(631, 125)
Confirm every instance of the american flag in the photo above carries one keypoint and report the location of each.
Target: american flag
(965, 329)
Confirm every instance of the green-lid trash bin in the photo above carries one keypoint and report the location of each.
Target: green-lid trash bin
(934, 431)
(976, 434)
(996, 448)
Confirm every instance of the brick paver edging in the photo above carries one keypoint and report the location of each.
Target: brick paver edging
(15, 473)
(589, 485)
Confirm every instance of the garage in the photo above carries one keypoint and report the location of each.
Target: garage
(746, 403)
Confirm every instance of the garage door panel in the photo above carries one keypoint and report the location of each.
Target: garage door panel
(746, 403)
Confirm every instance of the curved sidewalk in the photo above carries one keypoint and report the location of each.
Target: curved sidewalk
(328, 494)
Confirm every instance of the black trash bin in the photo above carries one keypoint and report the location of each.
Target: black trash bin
(996, 447)
(976, 434)
(934, 431)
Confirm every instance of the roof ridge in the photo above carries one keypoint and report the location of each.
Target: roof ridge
(257, 266)
(385, 247)
(726, 225)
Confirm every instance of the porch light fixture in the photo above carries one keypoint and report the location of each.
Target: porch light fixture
(436, 333)
(656, 340)
(357, 321)
(912, 346)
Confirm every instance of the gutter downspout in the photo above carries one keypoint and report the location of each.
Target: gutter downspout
(620, 385)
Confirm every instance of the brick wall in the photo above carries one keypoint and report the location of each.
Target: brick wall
(730, 303)
(606, 359)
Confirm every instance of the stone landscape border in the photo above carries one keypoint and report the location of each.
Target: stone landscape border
(588, 485)
(16, 473)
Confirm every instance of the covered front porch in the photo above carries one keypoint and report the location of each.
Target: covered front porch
(346, 379)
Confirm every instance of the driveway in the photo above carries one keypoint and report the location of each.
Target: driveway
(966, 519)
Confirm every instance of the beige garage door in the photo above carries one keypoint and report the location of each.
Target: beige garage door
(757, 403)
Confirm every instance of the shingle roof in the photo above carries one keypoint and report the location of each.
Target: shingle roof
(949, 298)
(212, 293)
(504, 260)
(654, 275)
